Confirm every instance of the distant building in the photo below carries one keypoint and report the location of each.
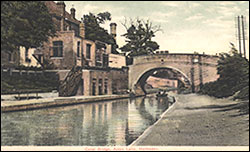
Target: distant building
(10, 59)
(162, 82)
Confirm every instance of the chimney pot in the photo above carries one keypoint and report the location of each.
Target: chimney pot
(82, 29)
(113, 30)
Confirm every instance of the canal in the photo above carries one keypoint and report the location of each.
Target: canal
(111, 123)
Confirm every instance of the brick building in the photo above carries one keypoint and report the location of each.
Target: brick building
(100, 74)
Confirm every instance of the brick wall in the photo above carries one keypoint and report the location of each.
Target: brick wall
(67, 61)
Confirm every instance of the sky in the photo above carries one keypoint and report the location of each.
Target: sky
(187, 26)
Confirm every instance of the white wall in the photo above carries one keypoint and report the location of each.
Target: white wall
(117, 61)
(32, 59)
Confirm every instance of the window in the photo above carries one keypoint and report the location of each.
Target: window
(93, 86)
(100, 86)
(9, 56)
(106, 86)
(82, 86)
(27, 55)
(57, 49)
(105, 60)
(39, 58)
(78, 49)
(98, 54)
(88, 51)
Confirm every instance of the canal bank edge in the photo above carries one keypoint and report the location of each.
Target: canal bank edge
(57, 102)
(149, 129)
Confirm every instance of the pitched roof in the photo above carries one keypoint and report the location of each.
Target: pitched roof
(53, 9)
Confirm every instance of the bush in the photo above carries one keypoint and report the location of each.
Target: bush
(217, 89)
(234, 77)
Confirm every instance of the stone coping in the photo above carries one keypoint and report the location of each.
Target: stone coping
(9, 106)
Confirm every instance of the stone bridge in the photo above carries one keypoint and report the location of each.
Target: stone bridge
(193, 70)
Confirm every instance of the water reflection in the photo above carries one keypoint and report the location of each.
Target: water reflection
(110, 123)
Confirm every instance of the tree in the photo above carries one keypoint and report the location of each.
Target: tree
(93, 30)
(139, 37)
(103, 17)
(25, 23)
(234, 76)
(233, 69)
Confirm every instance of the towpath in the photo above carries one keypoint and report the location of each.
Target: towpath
(197, 120)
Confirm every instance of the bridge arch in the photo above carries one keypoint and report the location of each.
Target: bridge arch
(148, 72)
(196, 69)
(142, 78)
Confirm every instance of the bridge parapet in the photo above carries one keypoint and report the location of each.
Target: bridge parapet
(177, 57)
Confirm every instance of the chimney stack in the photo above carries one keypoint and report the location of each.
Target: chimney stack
(113, 30)
(73, 12)
(82, 29)
(61, 6)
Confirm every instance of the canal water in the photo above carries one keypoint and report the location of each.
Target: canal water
(110, 123)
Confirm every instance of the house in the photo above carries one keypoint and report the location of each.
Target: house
(101, 69)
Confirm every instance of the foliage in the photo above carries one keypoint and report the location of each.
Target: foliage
(139, 35)
(234, 76)
(102, 17)
(25, 23)
(93, 30)
(217, 89)
(44, 82)
(243, 94)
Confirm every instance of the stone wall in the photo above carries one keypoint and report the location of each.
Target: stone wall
(119, 81)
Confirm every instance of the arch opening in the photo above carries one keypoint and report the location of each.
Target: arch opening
(162, 78)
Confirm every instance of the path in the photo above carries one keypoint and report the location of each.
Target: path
(200, 121)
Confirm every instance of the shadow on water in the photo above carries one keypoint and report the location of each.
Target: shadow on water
(149, 110)
(144, 113)
(242, 107)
